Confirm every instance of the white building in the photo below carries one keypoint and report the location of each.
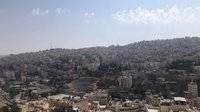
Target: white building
(193, 89)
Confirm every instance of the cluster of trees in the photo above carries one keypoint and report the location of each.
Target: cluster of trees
(63, 108)
(184, 64)
(10, 108)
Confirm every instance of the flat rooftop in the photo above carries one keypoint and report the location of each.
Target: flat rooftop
(180, 99)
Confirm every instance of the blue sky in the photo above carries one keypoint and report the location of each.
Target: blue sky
(32, 25)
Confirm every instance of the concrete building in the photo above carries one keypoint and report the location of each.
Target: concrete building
(34, 106)
(193, 89)
(179, 104)
(153, 100)
(150, 108)
(127, 106)
(165, 105)
(101, 96)
(125, 82)
(194, 102)
(23, 77)
(58, 97)
(9, 75)
(2, 82)
(196, 69)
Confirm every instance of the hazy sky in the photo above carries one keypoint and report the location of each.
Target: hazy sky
(32, 25)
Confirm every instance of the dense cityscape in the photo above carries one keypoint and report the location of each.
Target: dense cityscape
(146, 76)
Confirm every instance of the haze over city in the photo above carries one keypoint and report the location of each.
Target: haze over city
(99, 56)
(27, 26)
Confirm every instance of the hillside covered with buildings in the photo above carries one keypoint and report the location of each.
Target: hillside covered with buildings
(141, 70)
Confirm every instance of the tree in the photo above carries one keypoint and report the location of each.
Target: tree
(14, 108)
(4, 109)
(10, 108)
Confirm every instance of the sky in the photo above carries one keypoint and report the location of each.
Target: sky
(33, 25)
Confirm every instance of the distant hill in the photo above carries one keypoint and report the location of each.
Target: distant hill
(1, 56)
(95, 61)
